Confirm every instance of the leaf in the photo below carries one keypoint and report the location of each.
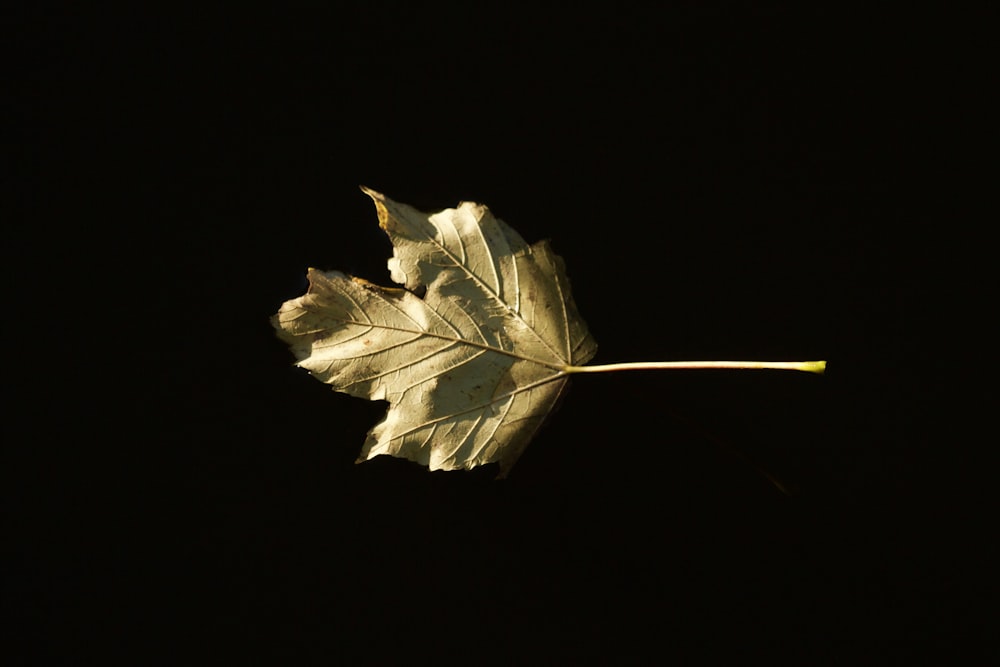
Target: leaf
(471, 369)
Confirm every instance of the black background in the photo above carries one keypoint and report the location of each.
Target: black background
(749, 185)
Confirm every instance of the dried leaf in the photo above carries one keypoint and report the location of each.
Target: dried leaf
(471, 369)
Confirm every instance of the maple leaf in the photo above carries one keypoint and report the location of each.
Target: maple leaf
(471, 368)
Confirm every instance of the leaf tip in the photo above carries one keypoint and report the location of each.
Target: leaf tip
(380, 200)
(377, 196)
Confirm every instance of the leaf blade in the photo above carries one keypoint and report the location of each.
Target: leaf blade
(472, 369)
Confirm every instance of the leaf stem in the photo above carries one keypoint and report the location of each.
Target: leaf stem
(808, 366)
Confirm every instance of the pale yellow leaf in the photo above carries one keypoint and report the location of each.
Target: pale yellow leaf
(471, 369)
